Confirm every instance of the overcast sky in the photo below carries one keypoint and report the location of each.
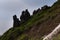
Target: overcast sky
(10, 7)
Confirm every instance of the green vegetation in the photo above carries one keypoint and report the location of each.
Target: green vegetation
(21, 33)
(57, 37)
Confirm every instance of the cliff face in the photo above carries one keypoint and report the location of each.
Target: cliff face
(37, 26)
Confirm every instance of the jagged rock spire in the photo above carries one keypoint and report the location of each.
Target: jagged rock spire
(25, 15)
(16, 21)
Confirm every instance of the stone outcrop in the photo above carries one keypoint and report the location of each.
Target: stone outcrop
(25, 15)
(16, 21)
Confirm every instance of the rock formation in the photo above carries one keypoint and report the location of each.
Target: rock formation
(16, 21)
(25, 15)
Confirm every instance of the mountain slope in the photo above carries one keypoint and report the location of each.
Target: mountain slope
(36, 27)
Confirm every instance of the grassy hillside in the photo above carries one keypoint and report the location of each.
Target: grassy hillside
(57, 37)
(37, 26)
